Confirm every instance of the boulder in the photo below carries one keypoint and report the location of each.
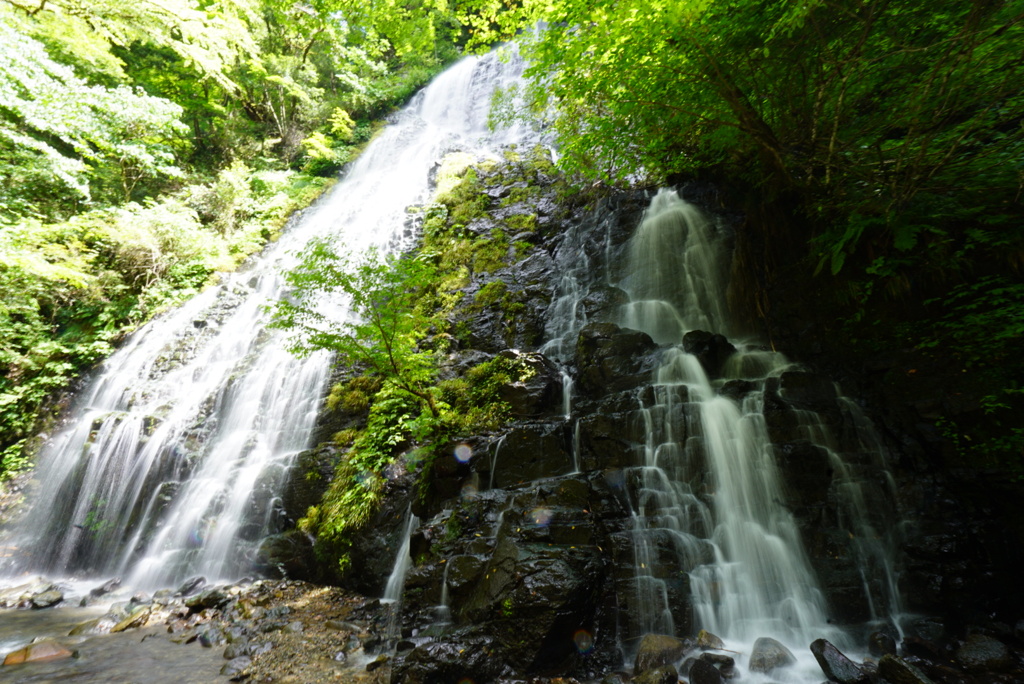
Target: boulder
(136, 619)
(660, 675)
(235, 666)
(703, 672)
(211, 598)
(881, 643)
(191, 586)
(658, 650)
(288, 556)
(707, 641)
(37, 652)
(836, 666)
(896, 670)
(47, 599)
(982, 653)
(711, 350)
(769, 655)
(105, 588)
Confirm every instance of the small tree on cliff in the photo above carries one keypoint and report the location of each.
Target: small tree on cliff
(365, 310)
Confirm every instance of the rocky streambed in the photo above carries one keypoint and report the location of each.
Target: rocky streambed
(264, 630)
(292, 631)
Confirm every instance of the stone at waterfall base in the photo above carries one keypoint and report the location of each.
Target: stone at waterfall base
(38, 652)
(769, 655)
(836, 666)
(658, 650)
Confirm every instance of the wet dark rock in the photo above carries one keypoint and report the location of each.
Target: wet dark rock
(47, 599)
(709, 642)
(540, 393)
(309, 477)
(660, 675)
(612, 359)
(450, 661)
(719, 660)
(191, 586)
(881, 643)
(737, 389)
(980, 653)
(836, 666)
(922, 648)
(105, 588)
(657, 650)
(603, 303)
(808, 391)
(769, 655)
(807, 472)
(703, 672)
(712, 350)
(896, 670)
(530, 451)
(288, 555)
(373, 546)
(211, 598)
(236, 649)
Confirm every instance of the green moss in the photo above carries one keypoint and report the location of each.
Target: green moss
(466, 201)
(490, 294)
(522, 223)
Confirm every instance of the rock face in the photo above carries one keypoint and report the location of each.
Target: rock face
(526, 545)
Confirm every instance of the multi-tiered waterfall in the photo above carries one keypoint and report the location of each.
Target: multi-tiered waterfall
(709, 490)
(174, 459)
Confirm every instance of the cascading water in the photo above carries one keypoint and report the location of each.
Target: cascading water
(177, 452)
(715, 545)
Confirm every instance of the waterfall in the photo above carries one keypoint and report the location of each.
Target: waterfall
(675, 280)
(175, 457)
(403, 561)
(716, 546)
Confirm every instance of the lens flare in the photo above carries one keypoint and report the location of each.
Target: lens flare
(541, 516)
(584, 641)
(463, 453)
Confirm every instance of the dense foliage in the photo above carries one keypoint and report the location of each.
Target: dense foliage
(880, 142)
(892, 131)
(144, 147)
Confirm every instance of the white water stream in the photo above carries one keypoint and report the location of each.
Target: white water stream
(708, 494)
(176, 455)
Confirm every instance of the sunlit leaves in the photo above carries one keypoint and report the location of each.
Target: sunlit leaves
(67, 126)
(208, 36)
